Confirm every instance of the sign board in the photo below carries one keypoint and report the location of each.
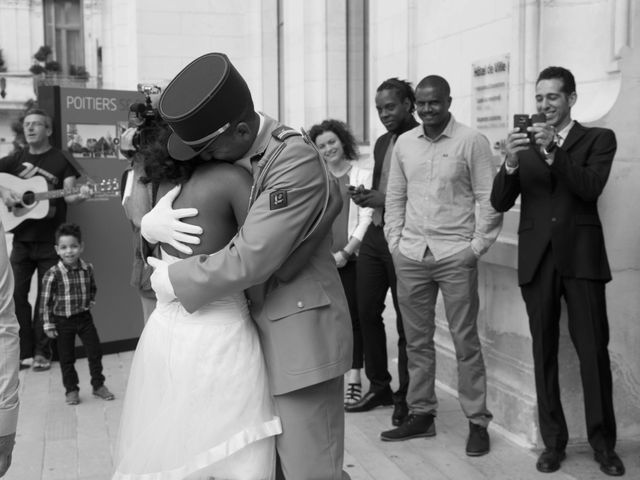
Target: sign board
(90, 121)
(490, 97)
(87, 127)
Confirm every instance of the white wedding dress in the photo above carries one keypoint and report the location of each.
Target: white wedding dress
(197, 404)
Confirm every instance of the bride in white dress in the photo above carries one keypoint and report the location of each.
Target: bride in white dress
(197, 404)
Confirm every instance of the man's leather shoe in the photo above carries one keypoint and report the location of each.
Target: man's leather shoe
(478, 443)
(414, 426)
(549, 460)
(610, 462)
(400, 412)
(370, 401)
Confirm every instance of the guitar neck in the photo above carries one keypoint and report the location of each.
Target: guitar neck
(63, 192)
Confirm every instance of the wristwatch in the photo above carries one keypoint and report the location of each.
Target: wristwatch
(550, 149)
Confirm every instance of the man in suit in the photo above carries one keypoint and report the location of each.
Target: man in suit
(395, 104)
(561, 253)
(281, 256)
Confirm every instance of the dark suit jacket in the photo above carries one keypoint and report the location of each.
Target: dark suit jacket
(380, 149)
(559, 204)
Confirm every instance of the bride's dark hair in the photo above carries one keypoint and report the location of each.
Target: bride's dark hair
(159, 166)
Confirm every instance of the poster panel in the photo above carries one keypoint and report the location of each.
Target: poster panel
(490, 97)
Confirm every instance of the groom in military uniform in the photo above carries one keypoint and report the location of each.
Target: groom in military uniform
(281, 257)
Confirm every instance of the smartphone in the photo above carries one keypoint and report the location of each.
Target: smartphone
(538, 118)
(359, 189)
(521, 121)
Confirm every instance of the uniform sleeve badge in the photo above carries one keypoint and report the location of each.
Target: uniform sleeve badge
(278, 199)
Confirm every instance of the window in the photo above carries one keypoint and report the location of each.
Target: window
(63, 33)
(357, 69)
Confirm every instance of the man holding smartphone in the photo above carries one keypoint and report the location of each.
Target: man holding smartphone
(561, 253)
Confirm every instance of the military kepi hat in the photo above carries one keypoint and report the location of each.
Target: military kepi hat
(201, 102)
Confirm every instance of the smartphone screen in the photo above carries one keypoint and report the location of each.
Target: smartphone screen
(521, 122)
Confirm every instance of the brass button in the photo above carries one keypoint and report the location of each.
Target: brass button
(553, 219)
(300, 304)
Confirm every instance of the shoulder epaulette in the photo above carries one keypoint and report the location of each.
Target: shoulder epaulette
(282, 133)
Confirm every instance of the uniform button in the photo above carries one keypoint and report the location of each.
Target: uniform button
(553, 219)
(300, 304)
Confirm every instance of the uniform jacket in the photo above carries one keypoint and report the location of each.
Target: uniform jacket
(297, 301)
(559, 204)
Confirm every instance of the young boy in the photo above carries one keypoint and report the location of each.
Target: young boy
(68, 293)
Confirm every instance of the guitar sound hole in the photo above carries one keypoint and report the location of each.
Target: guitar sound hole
(28, 198)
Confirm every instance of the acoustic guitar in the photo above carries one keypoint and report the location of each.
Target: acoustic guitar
(35, 197)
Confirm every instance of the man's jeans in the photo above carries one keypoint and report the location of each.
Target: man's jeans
(26, 258)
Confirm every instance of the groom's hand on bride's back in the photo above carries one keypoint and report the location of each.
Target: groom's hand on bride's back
(160, 281)
(162, 224)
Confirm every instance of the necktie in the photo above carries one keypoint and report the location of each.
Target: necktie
(559, 140)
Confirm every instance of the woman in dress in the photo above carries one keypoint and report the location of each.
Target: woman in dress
(197, 404)
(338, 147)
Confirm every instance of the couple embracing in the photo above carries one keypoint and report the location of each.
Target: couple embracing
(238, 373)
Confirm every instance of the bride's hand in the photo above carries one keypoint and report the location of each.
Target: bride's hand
(160, 281)
(163, 224)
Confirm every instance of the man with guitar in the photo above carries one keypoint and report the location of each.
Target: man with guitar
(33, 238)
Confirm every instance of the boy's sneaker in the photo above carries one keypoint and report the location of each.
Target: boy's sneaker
(26, 363)
(103, 393)
(41, 363)
(72, 398)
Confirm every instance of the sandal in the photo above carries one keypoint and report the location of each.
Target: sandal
(353, 393)
(40, 364)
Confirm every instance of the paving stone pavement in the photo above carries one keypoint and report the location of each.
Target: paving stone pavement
(60, 442)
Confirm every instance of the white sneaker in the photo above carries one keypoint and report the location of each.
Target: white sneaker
(26, 363)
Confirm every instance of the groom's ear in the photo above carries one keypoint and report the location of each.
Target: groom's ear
(243, 130)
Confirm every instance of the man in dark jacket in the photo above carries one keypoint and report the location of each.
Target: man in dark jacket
(562, 253)
(395, 102)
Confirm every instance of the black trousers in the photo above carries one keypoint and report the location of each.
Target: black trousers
(81, 325)
(376, 275)
(348, 277)
(589, 332)
(26, 258)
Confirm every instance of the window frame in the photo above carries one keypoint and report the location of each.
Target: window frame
(52, 36)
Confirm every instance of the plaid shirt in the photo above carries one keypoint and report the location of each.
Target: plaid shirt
(66, 290)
